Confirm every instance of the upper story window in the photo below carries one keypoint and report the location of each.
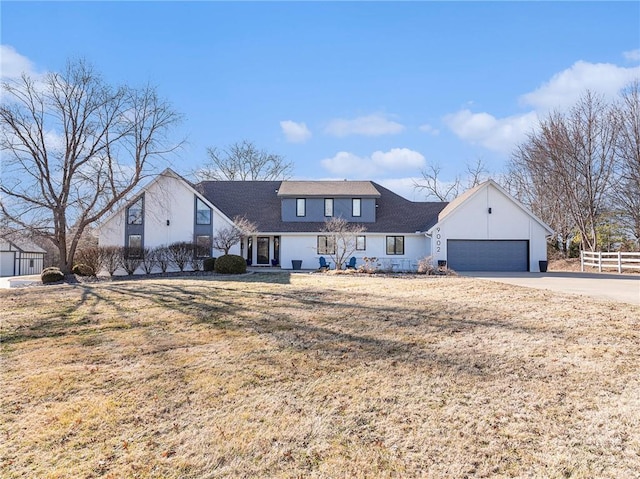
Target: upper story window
(356, 207)
(203, 213)
(395, 245)
(134, 213)
(328, 206)
(301, 207)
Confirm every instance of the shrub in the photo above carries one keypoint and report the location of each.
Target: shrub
(163, 258)
(370, 265)
(148, 260)
(181, 254)
(130, 259)
(230, 264)
(209, 264)
(425, 266)
(82, 269)
(111, 258)
(51, 275)
(92, 257)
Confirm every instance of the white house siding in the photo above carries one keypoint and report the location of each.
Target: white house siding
(169, 214)
(304, 247)
(471, 220)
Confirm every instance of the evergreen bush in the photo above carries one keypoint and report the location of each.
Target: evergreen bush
(230, 264)
(209, 264)
(82, 269)
(51, 275)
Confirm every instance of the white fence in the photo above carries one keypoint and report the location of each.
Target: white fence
(602, 260)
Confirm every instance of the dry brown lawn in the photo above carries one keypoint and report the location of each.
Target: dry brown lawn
(312, 375)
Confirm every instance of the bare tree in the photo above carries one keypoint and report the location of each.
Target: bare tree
(626, 194)
(571, 158)
(440, 190)
(72, 148)
(344, 238)
(243, 161)
(225, 238)
(530, 179)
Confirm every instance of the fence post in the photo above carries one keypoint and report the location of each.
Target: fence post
(582, 261)
(619, 262)
(599, 262)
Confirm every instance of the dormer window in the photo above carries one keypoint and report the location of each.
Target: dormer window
(356, 207)
(203, 213)
(301, 207)
(328, 206)
(134, 213)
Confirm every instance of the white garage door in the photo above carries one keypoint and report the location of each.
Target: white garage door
(7, 262)
(488, 255)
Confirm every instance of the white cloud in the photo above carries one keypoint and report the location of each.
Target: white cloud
(427, 128)
(498, 134)
(12, 64)
(371, 125)
(562, 91)
(346, 164)
(295, 132)
(632, 55)
(565, 88)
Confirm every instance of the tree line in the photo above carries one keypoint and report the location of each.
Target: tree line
(579, 171)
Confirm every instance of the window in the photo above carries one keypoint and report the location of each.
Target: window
(328, 206)
(326, 245)
(395, 244)
(356, 207)
(361, 243)
(203, 213)
(30, 263)
(134, 213)
(135, 241)
(301, 207)
(203, 246)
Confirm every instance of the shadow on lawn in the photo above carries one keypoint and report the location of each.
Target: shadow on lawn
(331, 325)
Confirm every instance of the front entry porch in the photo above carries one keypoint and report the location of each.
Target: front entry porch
(261, 250)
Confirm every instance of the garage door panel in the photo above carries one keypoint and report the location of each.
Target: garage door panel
(488, 255)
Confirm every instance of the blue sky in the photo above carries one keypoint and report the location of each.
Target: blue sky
(344, 90)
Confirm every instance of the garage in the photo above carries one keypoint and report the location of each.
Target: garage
(488, 255)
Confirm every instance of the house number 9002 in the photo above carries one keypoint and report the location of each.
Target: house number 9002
(438, 242)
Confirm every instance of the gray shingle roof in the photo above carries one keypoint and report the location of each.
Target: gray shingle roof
(258, 201)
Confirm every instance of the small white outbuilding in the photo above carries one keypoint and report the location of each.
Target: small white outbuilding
(486, 229)
(20, 257)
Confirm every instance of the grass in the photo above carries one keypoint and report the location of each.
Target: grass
(310, 375)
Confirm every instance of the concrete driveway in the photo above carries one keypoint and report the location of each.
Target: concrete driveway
(624, 288)
(16, 281)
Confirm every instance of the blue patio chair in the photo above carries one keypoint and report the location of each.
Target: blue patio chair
(323, 263)
(352, 263)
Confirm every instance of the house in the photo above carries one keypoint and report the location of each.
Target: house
(19, 257)
(290, 216)
(486, 229)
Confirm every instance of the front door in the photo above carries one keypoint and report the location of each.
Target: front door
(263, 250)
